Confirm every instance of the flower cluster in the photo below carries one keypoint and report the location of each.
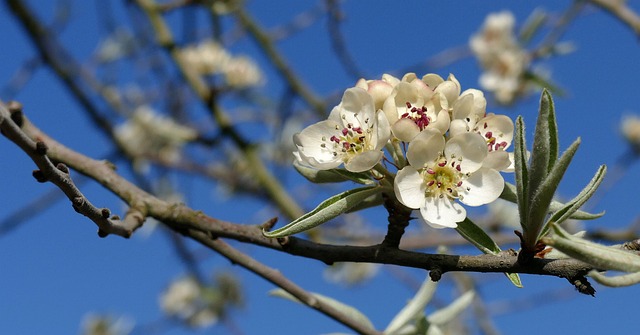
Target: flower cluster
(501, 56)
(446, 148)
(210, 58)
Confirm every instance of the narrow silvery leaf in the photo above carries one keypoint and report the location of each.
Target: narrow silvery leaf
(616, 281)
(509, 194)
(451, 312)
(331, 176)
(600, 256)
(545, 150)
(474, 234)
(372, 201)
(343, 308)
(521, 174)
(572, 206)
(326, 211)
(414, 308)
(541, 200)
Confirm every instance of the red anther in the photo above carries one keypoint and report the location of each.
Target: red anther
(443, 163)
(488, 134)
(430, 171)
(345, 131)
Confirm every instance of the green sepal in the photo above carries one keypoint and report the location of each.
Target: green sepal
(326, 211)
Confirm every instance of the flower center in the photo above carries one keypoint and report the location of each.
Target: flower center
(418, 115)
(444, 179)
(350, 140)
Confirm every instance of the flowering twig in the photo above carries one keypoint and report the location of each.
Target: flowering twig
(182, 218)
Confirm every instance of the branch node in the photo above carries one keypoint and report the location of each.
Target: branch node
(105, 212)
(269, 224)
(63, 168)
(582, 285)
(39, 176)
(102, 233)
(76, 203)
(283, 240)
(41, 148)
(15, 108)
(435, 274)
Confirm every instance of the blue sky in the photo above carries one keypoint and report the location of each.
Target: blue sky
(54, 269)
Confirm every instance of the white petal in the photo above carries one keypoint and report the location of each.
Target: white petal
(458, 127)
(425, 148)
(405, 130)
(310, 140)
(482, 187)
(442, 212)
(363, 161)
(463, 107)
(410, 187)
(441, 122)
(497, 160)
(381, 131)
(357, 106)
(432, 80)
(501, 127)
(471, 147)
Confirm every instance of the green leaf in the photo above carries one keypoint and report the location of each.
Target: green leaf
(372, 201)
(332, 175)
(326, 211)
(545, 144)
(343, 308)
(600, 256)
(616, 281)
(544, 194)
(521, 174)
(568, 209)
(474, 234)
(509, 194)
(413, 309)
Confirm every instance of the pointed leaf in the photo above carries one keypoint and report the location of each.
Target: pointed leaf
(326, 211)
(616, 281)
(572, 206)
(372, 201)
(544, 194)
(600, 256)
(474, 234)
(521, 174)
(331, 176)
(545, 143)
(343, 308)
(509, 194)
(414, 308)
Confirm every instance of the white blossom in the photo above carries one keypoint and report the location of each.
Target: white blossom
(354, 134)
(630, 128)
(504, 61)
(149, 134)
(442, 171)
(419, 104)
(184, 299)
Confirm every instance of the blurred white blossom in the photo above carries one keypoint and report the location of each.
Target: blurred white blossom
(503, 59)
(94, 324)
(147, 134)
(210, 58)
(184, 300)
(630, 128)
